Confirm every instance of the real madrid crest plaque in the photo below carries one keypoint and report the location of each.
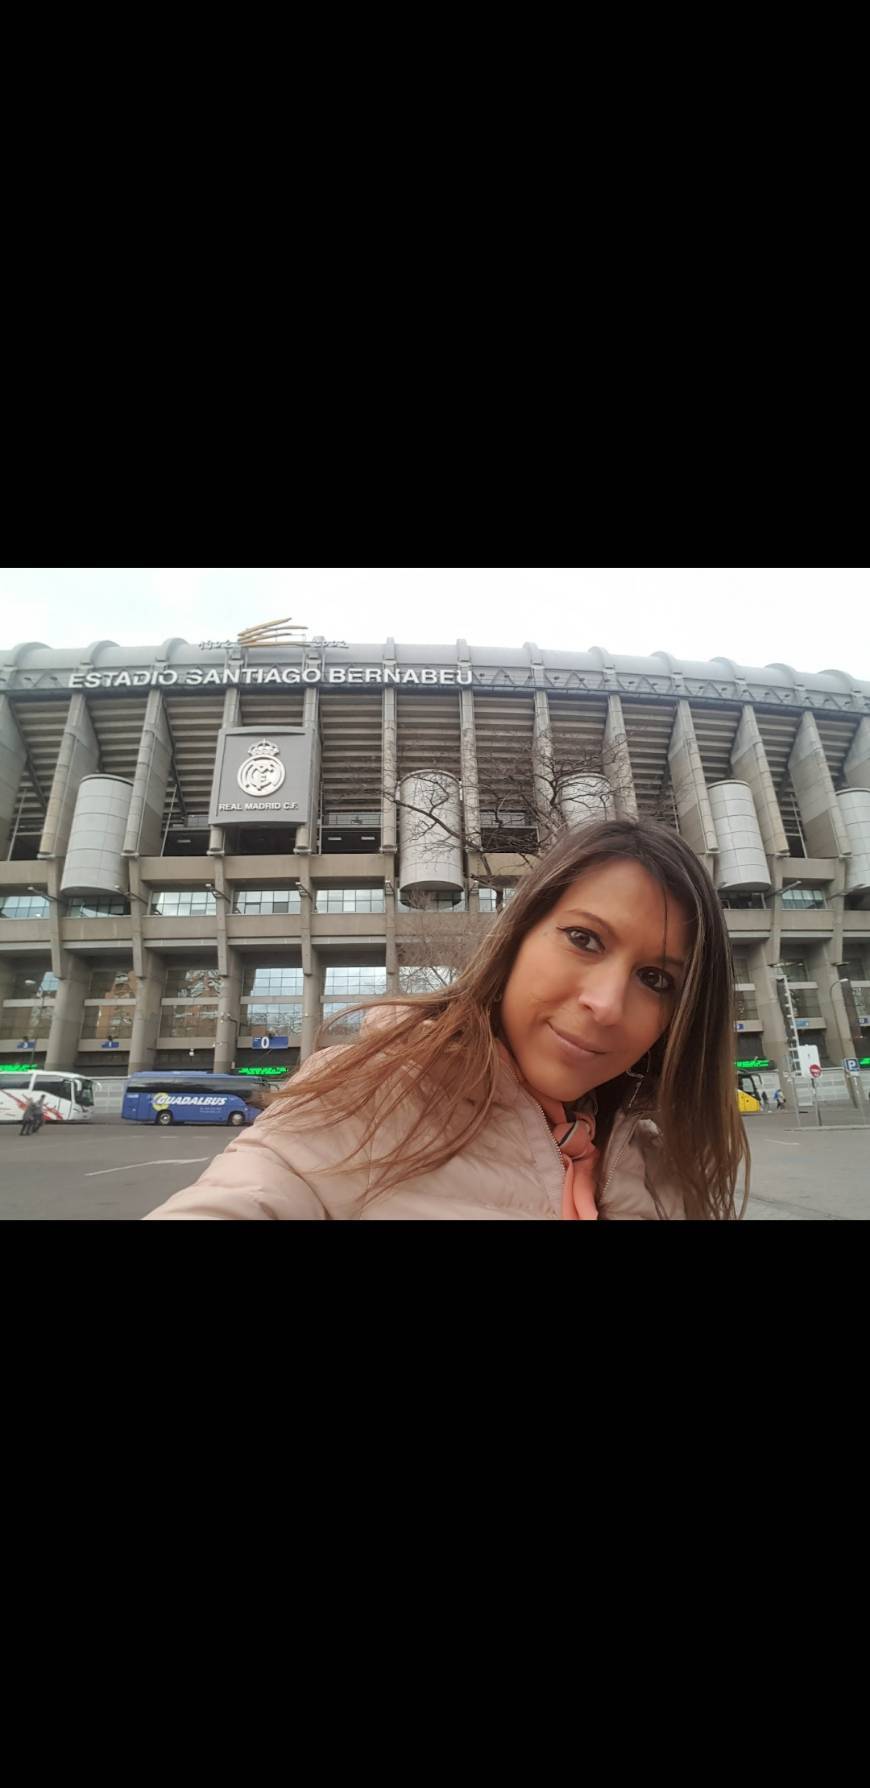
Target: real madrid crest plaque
(262, 777)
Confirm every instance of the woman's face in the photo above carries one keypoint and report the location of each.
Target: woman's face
(596, 982)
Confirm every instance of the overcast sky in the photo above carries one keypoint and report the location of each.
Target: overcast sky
(813, 619)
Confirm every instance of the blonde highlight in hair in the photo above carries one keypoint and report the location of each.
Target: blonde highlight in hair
(446, 1042)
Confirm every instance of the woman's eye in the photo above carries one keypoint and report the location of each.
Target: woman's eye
(657, 980)
(584, 940)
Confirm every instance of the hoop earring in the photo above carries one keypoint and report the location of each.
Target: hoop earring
(645, 1070)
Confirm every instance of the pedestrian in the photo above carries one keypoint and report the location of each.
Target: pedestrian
(779, 1099)
(34, 1116)
(765, 1102)
(595, 1017)
(27, 1117)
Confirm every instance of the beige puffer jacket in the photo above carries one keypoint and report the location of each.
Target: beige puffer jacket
(286, 1172)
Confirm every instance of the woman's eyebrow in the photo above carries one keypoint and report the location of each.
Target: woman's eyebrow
(678, 962)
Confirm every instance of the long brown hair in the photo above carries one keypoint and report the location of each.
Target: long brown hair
(447, 1041)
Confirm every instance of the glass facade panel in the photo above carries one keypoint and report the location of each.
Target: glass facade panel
(360, 983)
(183, 903)
(268, 982)
(266, 902)
(350, 900)
(198, 981)
(24, 906)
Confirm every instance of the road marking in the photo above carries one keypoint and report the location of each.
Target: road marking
(177, 1161)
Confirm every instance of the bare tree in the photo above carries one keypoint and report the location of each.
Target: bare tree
(433, 946)
(528, 795)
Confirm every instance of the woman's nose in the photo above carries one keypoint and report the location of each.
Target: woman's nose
(604, 994)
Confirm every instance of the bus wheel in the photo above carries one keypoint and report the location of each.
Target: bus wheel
(164, 1117)
(236, 1118)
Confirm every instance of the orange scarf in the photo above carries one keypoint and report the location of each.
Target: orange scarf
(575, 1140)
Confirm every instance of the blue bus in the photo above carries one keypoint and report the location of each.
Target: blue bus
(166, 1097)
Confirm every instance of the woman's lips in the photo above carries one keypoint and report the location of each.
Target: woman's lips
(577, 1052)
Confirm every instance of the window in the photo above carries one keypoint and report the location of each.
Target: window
(853, 968)
(350, 900)
(24, 906)
(29, 983)
(742, 967)
(744, 903)
(795, 970)
(356, 983)
(107, 1021)
(507, 819)
(492, 900)
(27, 1020)
(189, 1021)
(427, 902)
(352, 822)
(109, 908)
(805, 1001)
(348, 1022)
(267, 983)
(113, 984)
(803, 898)
(425, 980)
(265, 902)
(745, 1005)
(282, 1019)
(183, 903)
(198, 981)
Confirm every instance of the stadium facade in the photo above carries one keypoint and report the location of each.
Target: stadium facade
(206, 848)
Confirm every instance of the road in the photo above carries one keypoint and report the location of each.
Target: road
(108, 1171)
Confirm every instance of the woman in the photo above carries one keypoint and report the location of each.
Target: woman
(582, 1066)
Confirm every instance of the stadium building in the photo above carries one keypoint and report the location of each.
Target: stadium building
(206, 849)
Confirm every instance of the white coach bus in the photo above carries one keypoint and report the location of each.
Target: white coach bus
(68, 1098)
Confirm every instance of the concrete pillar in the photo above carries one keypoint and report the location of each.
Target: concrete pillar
(66, 1024)
(856, 770)
(821, 818)
(312, 975)
(391, 952)
(146, 1019)
(312, 995)
(232, 710)
(468, 750)
(749, 762)
(390, 771)
(846, 1019)
(79, 756)
(229, 1013)
(689, 786)
(767, 1000)
(9, 1021)
(308, 834)
(12, 760)
(833, 1007)
(544, 770)
(617, 761)
(144, 834)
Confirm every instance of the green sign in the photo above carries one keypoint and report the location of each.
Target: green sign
(757, 1062)
(265, 1073)
(865, 1061)
(17, 1067)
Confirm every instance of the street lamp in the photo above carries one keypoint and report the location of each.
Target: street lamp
(38, 994)
(793, 1045)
